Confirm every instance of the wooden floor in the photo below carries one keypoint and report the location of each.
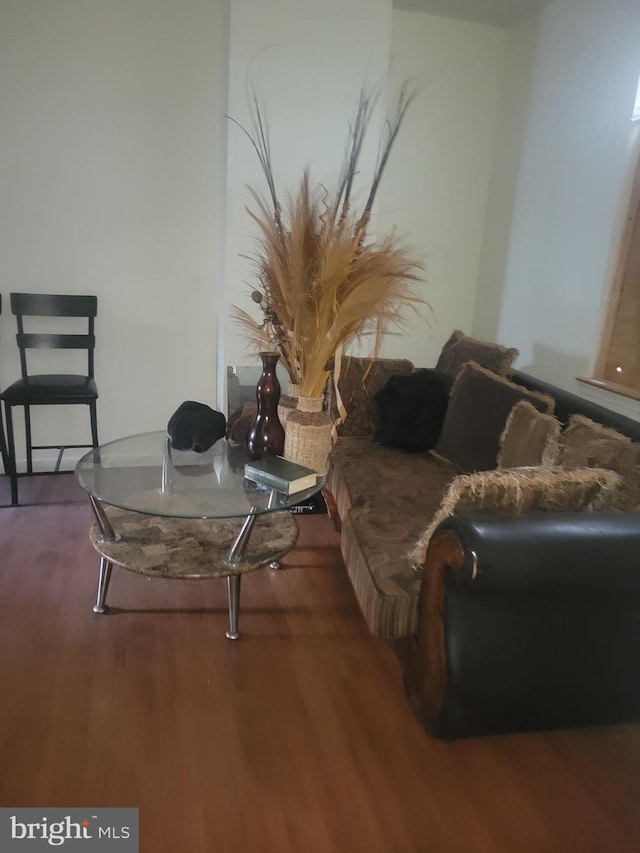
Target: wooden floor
(297, 737)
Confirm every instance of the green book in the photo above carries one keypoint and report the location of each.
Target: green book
(280, 474)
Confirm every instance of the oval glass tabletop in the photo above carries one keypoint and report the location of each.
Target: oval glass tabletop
(142, 474)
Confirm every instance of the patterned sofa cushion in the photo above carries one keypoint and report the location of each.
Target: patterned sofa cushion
(364, 475)
(375, 543)
(384, 498)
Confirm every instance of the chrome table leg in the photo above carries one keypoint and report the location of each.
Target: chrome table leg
(239, 547)
(235, 557)
(233, 591)
(107, 533)
(273, 499)
(166, 486)
(104, 576)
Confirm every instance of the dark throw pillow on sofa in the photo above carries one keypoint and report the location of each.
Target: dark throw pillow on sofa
(410, 411)
(477, 413)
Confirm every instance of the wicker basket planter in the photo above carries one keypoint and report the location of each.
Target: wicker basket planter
(288, 403)
(308, 434)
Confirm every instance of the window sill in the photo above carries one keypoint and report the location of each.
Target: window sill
(612, 387)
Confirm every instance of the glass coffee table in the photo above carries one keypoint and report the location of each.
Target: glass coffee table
(180, 514)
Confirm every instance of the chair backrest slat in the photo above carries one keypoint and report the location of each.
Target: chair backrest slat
(54, 305)
(41, 340)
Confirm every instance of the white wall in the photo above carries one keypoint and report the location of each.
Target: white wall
(111, 127)
(559, 193)
(436, 186)
(520, 54)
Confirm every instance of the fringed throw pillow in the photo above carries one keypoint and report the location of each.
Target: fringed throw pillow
(588, 444)
(460, 349)
(518, 490)
(529, 438)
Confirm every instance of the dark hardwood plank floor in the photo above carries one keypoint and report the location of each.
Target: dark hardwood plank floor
(297, 737)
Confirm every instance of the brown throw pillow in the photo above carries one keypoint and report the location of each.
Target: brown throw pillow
(239, 423)
(477, 413)
(584, 438)
(359, 380)
(529, 438)
(588, 444)
(460, 349)
(518, 490)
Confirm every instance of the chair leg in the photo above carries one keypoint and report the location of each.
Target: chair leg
(13, 474)
(3, 447)
(4, 451)
(27, 435)
(94, 424)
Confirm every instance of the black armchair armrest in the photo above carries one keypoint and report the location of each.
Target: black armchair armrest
(579, 553)
(528, 623)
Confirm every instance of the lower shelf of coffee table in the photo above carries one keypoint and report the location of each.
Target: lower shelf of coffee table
(192, 548)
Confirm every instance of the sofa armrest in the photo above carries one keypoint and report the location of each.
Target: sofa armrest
(576, 553)
(528, 623)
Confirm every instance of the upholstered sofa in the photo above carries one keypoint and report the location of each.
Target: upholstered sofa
(516, 581)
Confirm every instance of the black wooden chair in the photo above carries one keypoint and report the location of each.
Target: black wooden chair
(50, 389)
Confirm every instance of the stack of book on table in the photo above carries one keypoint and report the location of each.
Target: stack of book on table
(276, 472)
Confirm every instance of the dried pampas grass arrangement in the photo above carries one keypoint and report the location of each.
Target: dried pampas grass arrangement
(320, 280)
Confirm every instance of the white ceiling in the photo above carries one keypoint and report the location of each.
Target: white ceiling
(501, 13)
